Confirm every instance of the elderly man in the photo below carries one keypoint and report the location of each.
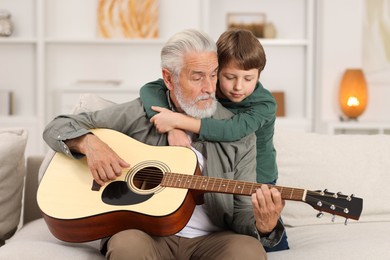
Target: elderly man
(225, 226)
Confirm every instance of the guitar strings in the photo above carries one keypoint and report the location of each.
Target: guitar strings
(155, 176)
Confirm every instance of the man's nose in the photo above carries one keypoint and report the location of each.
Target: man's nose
(209, 85)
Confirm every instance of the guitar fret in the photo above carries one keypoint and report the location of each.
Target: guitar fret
(234, 187)
(240, 187)
(226, 185)
(281, 190)
(252, 188)
(212, 188)
(167, 179)
(219, 185)
(204, 186)
(248, 188)
(178, 181)
(184, 181)
(292, 190)
(188, 181)
(193, 182)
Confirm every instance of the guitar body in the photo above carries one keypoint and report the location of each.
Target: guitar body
(76, 209)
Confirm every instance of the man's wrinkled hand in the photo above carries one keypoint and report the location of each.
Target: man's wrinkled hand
(104, 164)
(267, 207)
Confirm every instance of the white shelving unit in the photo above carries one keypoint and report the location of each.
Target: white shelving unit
(54, 45)
(356, 127)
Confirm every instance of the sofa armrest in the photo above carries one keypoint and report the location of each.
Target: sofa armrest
(30, 206)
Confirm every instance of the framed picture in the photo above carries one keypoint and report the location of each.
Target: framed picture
(253, 22)
(128, 18)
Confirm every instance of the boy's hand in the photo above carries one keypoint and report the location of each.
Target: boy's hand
(165, 120)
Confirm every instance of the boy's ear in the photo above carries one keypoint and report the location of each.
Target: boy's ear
(168, 79)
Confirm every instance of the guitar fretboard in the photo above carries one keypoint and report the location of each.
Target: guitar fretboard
(219, 185)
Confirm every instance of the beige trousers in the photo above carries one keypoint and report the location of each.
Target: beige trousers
(135, 244)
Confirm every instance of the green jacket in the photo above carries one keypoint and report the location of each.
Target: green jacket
(229, 160)
(255, 114)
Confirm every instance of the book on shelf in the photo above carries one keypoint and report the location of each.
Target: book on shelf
(5, 103)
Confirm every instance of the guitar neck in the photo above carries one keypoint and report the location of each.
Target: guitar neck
(219, 185)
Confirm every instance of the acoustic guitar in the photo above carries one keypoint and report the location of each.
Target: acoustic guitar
(157, 194)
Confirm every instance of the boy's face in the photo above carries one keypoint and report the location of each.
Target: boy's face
(236, 84)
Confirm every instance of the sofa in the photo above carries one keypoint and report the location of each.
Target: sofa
(351, 164)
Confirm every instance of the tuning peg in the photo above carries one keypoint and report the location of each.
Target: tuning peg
(320, 214)
(346, 222)
(349, 198)
(333, 218)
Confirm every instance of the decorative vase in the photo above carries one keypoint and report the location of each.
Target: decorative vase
(5, 23)
(269, 31)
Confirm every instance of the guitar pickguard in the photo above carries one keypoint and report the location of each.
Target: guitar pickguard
(118, 193)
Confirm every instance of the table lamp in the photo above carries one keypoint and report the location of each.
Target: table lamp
(353, 93)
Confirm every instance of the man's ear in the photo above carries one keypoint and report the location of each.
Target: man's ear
(168, 79)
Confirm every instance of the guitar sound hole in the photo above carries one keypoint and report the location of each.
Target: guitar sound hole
(147, 178)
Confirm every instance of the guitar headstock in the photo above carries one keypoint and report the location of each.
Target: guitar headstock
(349, 207)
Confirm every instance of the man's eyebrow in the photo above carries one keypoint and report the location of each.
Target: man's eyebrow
(203, 72)
(198, 72)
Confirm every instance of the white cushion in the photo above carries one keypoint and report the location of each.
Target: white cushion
(34, 241)
(91, 102)
(357, 164)
(338, 242)
(12, 172)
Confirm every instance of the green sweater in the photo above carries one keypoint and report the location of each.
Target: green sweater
(256, 114)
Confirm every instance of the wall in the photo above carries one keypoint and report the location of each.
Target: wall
(340, 46)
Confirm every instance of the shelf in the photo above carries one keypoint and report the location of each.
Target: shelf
(98, 89)
(264, 42)
(283, 42)
(105, 41)
(367, 127)
(14, 40)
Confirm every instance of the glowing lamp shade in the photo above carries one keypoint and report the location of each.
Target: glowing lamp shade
(353, 93)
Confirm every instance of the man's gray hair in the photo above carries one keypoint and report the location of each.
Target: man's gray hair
(181, 43)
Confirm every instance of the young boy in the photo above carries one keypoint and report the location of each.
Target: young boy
(241, 59)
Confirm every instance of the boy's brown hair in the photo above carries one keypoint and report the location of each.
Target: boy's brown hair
(241, 47)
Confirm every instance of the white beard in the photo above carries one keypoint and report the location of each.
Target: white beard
(190, 107)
